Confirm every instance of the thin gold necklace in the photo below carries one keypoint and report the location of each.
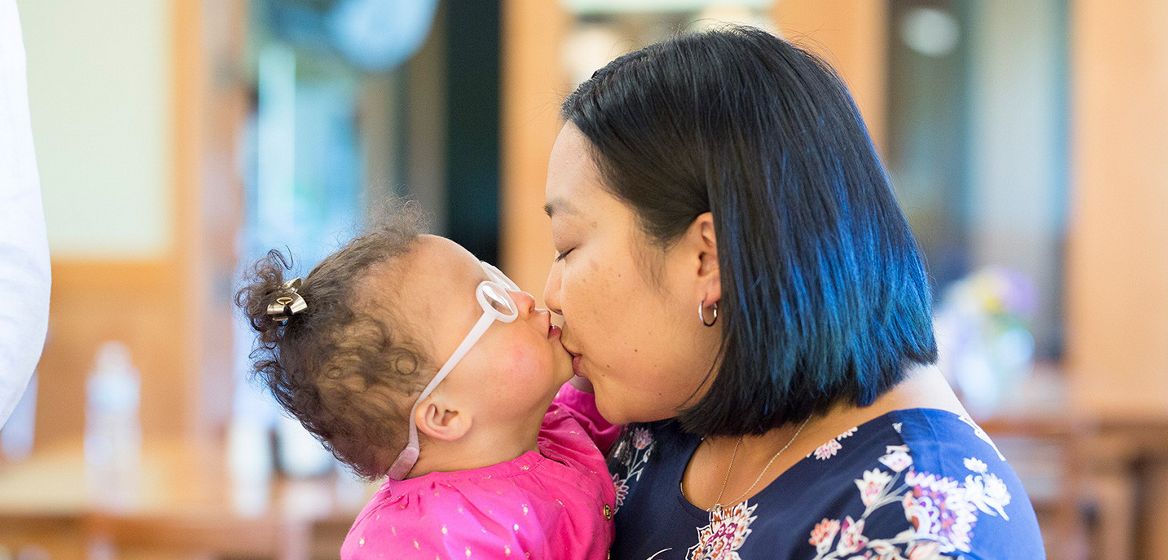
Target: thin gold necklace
(726, 479)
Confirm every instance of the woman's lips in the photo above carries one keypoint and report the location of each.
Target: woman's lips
(553, 331)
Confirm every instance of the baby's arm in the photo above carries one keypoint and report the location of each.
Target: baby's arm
(576, 398)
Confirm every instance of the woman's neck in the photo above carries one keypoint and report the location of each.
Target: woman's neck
(923, 387)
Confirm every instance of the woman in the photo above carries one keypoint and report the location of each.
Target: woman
(739, 285)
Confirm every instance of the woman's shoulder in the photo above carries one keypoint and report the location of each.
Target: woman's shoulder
(934, 437)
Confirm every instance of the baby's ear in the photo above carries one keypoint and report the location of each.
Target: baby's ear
(439, 418)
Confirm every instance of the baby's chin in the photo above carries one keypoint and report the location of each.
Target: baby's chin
(563, 374)
(561, 364)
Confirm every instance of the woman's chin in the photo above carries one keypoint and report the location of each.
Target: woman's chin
(612, 416)
(624, 414)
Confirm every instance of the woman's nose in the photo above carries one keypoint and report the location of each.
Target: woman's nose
(551, 291)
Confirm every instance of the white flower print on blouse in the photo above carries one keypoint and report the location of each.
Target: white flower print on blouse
(942, 512)
(829, 449)
(980, 433)
(986, 491)
(727, 532)
(896, 457)
(640, 439)
(872, 486)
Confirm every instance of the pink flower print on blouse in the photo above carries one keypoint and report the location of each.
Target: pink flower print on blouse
(872, 486)
(852, 537)
(622, 489)
(941, 511)
(829, 449)
(728, 529)
(937, 508)
(641, 438)
(897, 458)
(641, 441)
(824, 534)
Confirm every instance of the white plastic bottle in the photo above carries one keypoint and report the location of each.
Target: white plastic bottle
(113, 434)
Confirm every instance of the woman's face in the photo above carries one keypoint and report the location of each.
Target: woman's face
(636, 338)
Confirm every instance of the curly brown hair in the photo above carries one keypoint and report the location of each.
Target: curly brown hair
(346, 366)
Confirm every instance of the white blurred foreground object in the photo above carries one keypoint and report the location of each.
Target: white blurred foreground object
(16, 436)
(249, 462)
(300, 454)
(113, 436)
(24, 248)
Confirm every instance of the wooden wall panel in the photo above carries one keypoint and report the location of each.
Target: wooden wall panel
(215, 201)
(93, 302)
(174, 312)
(852, 37)
(534, 84)
(1117, 277)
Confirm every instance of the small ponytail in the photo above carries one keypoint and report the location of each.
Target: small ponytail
(262, 285)
(341, 365)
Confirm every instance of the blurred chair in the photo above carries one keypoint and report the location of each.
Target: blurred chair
(1048, 453)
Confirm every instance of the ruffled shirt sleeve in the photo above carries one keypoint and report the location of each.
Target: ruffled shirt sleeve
(581, 406)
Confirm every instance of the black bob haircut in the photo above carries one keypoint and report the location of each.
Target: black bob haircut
(824, 293)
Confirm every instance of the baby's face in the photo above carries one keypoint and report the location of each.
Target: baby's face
(515, 368)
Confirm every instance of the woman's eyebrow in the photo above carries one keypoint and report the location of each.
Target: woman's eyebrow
(558, 206)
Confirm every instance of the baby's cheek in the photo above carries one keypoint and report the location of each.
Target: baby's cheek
(527, 362)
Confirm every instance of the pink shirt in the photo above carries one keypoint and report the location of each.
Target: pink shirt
(556, 503)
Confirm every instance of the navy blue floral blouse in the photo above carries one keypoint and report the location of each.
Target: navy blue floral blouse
(912, 484)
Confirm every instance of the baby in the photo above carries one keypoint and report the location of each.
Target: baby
(408, 357)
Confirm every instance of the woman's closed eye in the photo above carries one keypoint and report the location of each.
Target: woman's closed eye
(561, 255)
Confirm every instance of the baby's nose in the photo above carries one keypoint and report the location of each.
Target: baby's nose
(524, 302)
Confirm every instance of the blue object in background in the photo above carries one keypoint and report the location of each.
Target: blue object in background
(378, 35)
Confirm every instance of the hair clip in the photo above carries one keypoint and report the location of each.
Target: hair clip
(288, 303)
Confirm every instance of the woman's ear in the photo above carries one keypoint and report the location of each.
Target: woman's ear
(704, 243)
(439, 418)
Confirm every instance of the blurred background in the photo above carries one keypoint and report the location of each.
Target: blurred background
(179, 140)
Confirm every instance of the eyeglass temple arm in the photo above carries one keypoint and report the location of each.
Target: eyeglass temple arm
(409, 455)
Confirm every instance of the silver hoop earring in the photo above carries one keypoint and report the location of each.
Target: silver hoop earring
(702, 314)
